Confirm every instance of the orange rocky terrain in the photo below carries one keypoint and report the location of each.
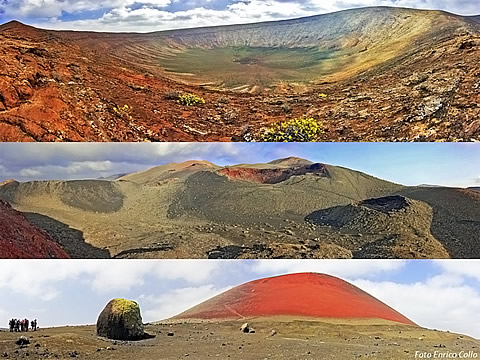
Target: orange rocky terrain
(21, 239)
(359, 81)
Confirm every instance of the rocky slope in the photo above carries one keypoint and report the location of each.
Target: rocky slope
(388, 74)
(21, 239)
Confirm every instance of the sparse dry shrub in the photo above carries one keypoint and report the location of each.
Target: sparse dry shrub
(172, 95)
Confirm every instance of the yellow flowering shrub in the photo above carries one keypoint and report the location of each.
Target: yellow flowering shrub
(123, 111)
(191, 99)
(294, 130)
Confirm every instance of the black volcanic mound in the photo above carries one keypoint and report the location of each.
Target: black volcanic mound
(397, 226)
(367, 215)
(387, 204)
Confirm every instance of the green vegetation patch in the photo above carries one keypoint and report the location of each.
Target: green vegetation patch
(191, 100)
(232, 67)
(294, 130)
(123, 306)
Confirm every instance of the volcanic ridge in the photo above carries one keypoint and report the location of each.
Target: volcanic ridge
(365, 74)
(287, 208)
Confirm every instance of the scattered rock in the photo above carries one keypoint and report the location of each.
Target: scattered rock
(22, 340)
(245, 328)
(467, 45)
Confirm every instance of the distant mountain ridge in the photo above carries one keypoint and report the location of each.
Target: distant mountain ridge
(266, 210)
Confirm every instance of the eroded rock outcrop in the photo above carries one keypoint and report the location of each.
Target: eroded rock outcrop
(121, 320)
(273, 175)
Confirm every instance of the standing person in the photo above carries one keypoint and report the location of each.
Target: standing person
(36, 324)
(27, 325)
(11, 325)
(17, 325)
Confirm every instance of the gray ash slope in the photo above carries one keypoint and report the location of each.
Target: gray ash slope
(197, 209)
(220, 199)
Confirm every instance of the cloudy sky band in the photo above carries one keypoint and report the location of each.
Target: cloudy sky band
(155, 15)
(448, 164)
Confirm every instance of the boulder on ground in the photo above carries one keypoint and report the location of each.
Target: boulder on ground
(22, 340)
(121, 320)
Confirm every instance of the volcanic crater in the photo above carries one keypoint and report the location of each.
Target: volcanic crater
(369, 74)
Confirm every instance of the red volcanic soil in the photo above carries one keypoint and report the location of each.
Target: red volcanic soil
(305, 295)
(65, 86)
(272, 176)
(20, 239)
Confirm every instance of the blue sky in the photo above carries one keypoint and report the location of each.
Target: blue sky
(447, 164)
(153, 15)
(75, 291)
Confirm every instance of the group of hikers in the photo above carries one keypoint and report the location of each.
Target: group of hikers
(17, 325)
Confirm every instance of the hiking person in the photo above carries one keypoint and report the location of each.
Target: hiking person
(17, 325)
(11, 325)
(34, 325)
(27, 324)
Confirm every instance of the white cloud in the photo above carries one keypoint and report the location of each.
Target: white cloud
(76, 161)
(30, 172)
(35, 278)
(177, 301)
(121, 16)
(5, 173)
(42, 279)
(75, 169)
(442, 302)
(123, 275)
(193, 271)
(462, 268)
(343, 268)
(54, 8)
